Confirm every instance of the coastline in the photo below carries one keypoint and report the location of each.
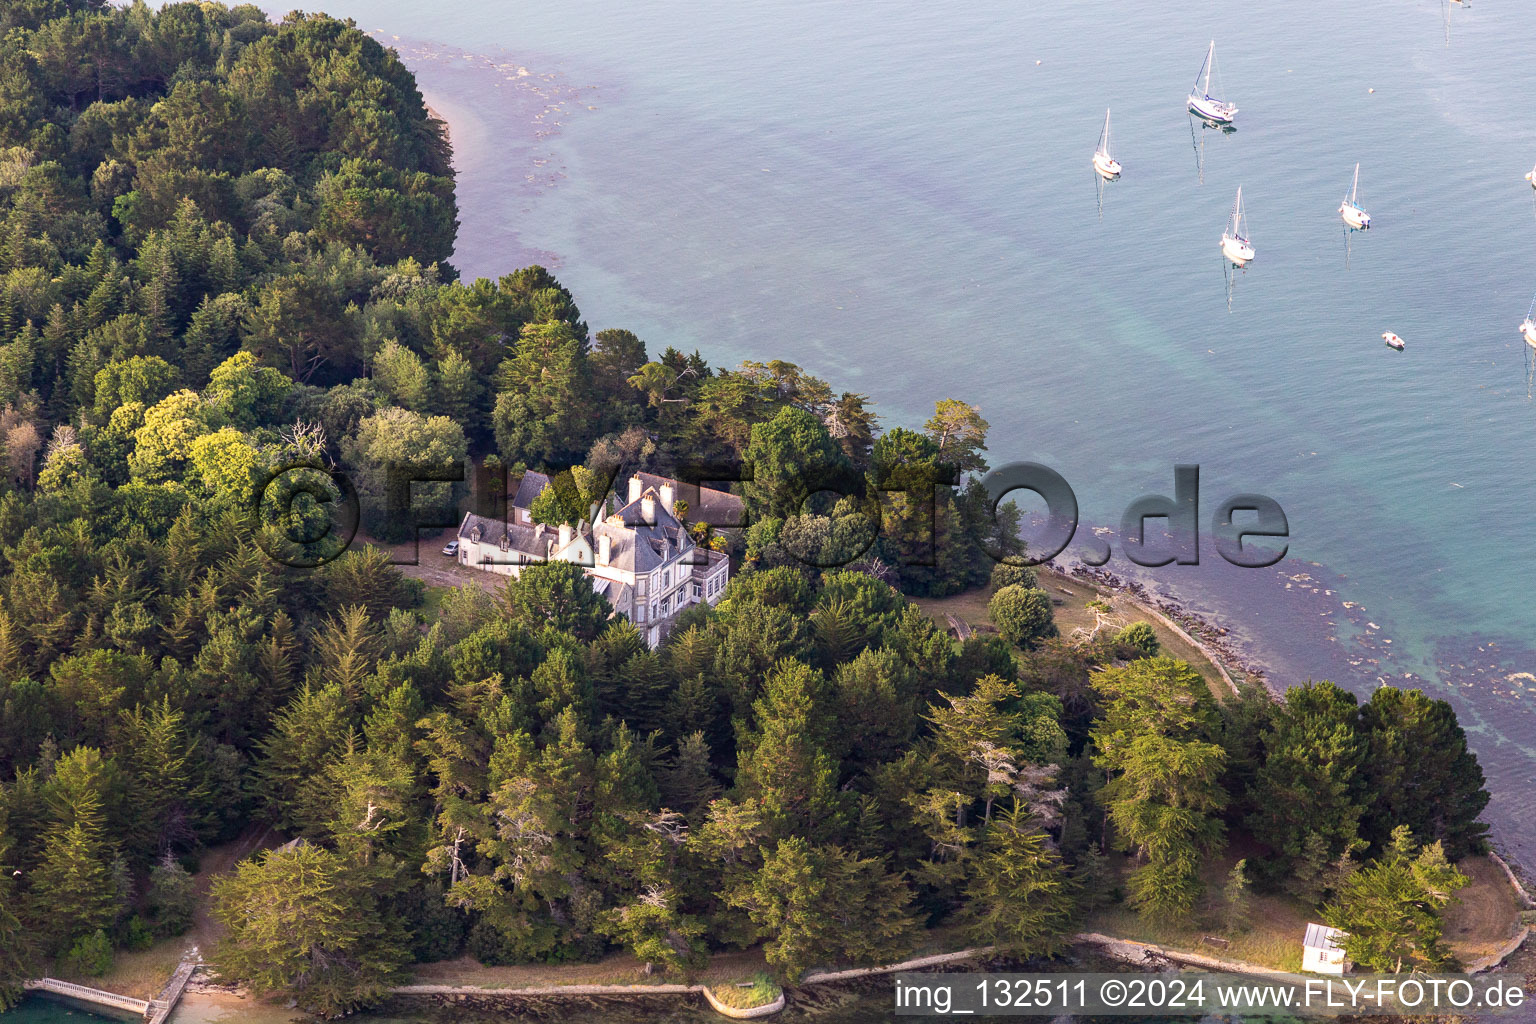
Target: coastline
(1206, 637)
(1286, 624)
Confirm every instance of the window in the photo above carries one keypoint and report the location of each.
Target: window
(697, 591)
(666, 579)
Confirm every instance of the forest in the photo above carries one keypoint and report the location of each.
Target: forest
(224, 248)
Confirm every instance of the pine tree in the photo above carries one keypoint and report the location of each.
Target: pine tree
(345, 650)
(785, 767)
(823, 905)
(459, 393)
(73, 892)
(1309, 781)
(687, 783)
(1236, 902)
(1391, 909)
(1019, 896)
(306, 736)
(300, 918)
(172, 897)
(1418, 771)
(15, 938)
(163, 778)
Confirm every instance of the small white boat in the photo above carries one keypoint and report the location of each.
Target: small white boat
(1200, 99)
(1392, 340)
(1234, 241)
(1350, 209)
(1531, 177)
(1107, 166)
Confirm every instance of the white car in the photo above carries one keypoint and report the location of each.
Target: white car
(452, 548)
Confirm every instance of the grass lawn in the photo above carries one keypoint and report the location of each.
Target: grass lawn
(1486, 917)
(1070, 599)
(1487, 914)
(141, 975)
(759, 990)
(1271, 937)
(615, 969)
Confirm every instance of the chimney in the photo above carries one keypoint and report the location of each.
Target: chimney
(668, 495)
(604, 549)
(565, 535)
(648, 509)
(634, 488)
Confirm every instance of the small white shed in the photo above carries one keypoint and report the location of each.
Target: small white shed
(1323, 950)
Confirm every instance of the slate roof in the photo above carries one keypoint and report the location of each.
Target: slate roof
(619, 595)
(705, 504)
(528, 488)
(636, 545)
(529, 540)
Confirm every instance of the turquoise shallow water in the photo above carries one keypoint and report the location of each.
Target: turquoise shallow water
(900, 199)
(37, 1010)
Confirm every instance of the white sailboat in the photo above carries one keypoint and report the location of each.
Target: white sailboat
(1200, 99)
(1531, 177)
(1107, 166)
(1350, 209)
(1234, 241)
(1528, 325)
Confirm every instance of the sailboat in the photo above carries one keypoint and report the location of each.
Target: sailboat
(1350, 209)
(1234, 241)
(1528, 326)
(1200, 99)
(1532, 177)
(1107, 166)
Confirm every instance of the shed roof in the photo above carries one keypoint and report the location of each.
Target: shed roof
(1320, 936)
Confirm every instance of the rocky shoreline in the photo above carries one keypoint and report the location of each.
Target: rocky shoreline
(1214, 640)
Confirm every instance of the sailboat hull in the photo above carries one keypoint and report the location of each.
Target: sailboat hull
(1211, 109)
(1238, 250)
(1354, 216)
(1106, 166)
(1528, 332)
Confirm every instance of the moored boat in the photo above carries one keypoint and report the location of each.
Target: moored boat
(1235, 244)
(1106, 165)
(1352, 212)
(1202, 102)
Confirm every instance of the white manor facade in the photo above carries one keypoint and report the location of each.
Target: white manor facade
(640, 557)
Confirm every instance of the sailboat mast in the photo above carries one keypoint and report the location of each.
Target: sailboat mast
(1106, 131)
(1210, 58)
(1354, 190)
